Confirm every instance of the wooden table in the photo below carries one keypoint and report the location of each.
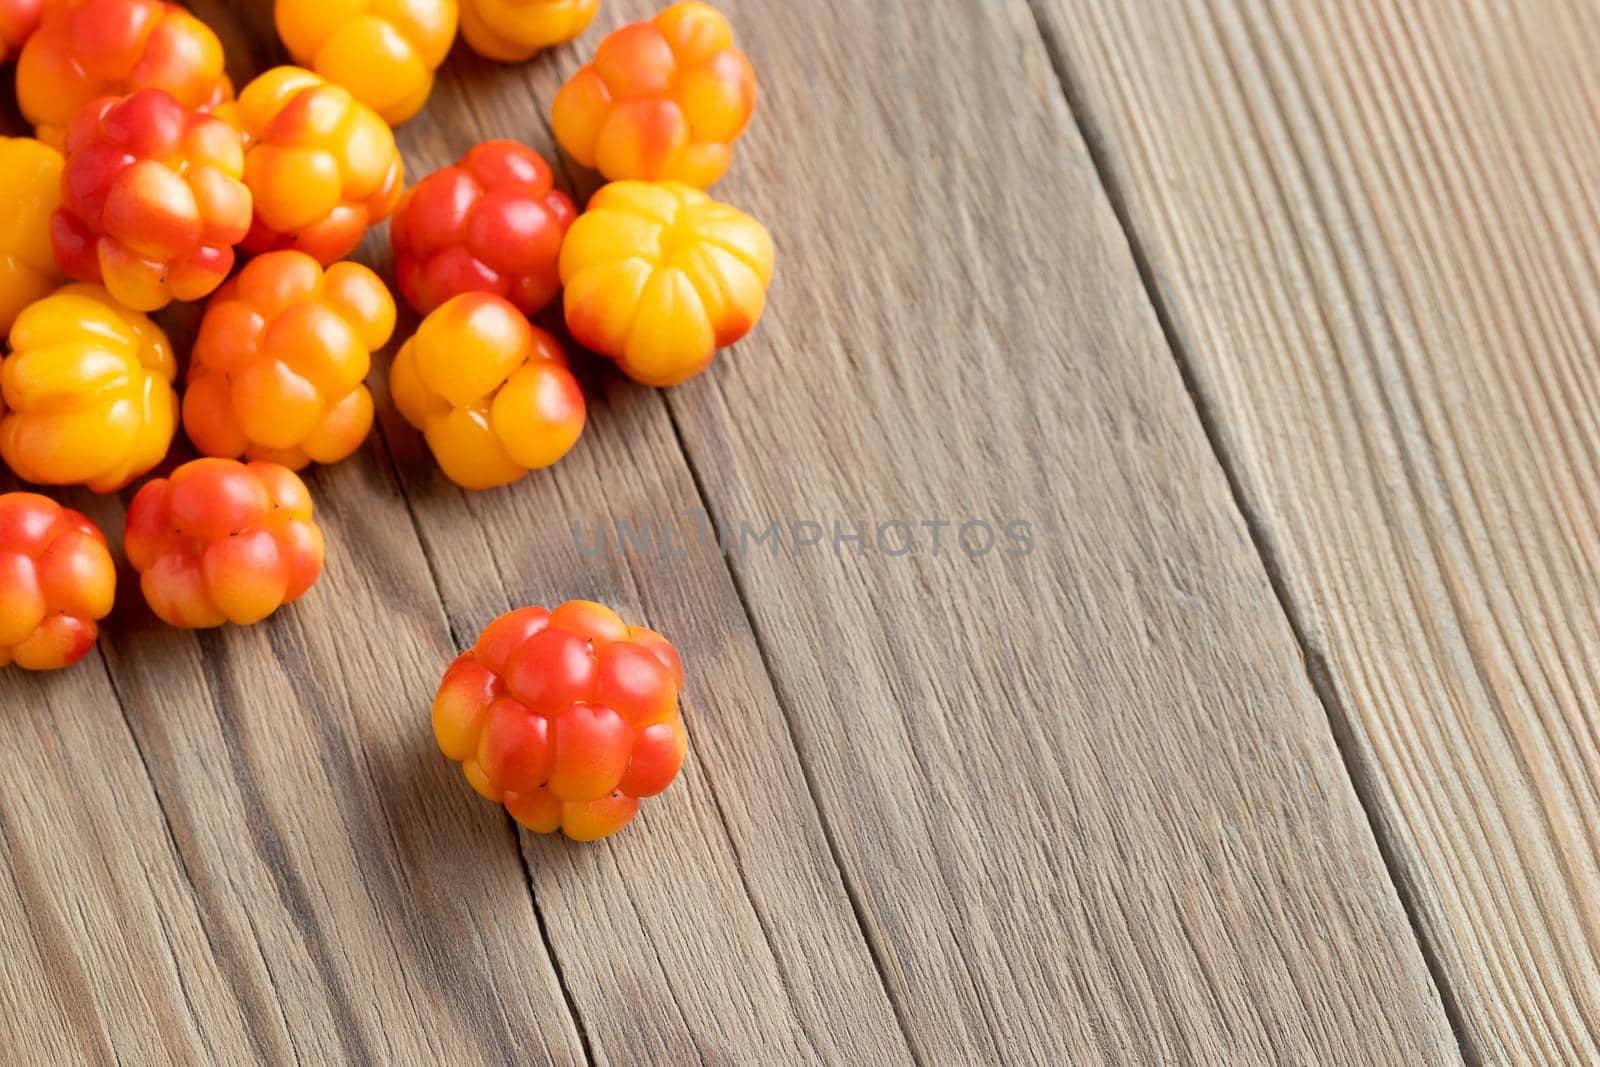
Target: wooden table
(1276, 323)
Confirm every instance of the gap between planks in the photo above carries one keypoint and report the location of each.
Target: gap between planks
(1316, 672)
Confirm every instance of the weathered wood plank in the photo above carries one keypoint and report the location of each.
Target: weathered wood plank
(1083, 800)
(303, 880)
(717, 925)
(1374, 230)
(105, 944)
(361, 900)
(1086, 798)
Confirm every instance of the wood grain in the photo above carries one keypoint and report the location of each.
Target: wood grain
(260, 857)
(717, 926)
(1086, 798)
(1373, 229)
(361, 901)
(105, 943)
(1078, 806)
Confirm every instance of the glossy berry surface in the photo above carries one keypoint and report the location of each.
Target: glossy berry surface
(513, 30)
(321, 165)
(56, 582)
(663, 100)
(222, 541)
(30, 190)
(659, 276)
(88, 49)
(18, 20)
(489, 223)
(491, 394)
(87, 392)
(567, 717)
(152, 202)
(279, 367)
(383, 51)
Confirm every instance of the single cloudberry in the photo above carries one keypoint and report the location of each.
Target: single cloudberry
(383, 51)
(513, 30)
(87, 49)
(222, 541)
(152, 203)
(491, 394)
(567, 717)
(56, 582)
(320, 164)
(279, 368)
(659, 276)
(86, 394)
(490, 223)
(663, 100)
(30, 191)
